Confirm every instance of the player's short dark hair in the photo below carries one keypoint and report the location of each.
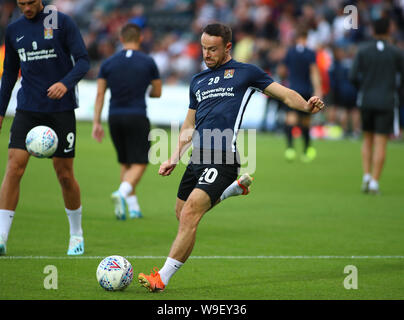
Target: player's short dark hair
(131, 32)
(381, 26)
(219, 30)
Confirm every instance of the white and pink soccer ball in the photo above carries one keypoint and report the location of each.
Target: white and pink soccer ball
(41, 142)
(114, 273)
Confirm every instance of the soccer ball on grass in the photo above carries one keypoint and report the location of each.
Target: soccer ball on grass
(114, 273)
(41, 142)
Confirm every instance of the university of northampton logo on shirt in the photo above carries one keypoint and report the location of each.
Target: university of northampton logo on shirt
(48, 34)
(229, 73)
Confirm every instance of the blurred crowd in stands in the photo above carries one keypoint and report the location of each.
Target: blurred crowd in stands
(262, 30)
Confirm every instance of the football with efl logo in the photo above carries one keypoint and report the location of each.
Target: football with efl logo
(114, 273)
(41, 142)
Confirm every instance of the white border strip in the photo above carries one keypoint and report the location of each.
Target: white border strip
(201, 257)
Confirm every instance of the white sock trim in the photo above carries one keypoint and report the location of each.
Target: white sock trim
(125, 189)
(373, 184)
(367, 177)
(132, 202)
(171, 266)
(232, 190)
(6, 219)
(74, 217)
(68, 211)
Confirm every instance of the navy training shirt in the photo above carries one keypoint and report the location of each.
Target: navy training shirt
(298, 60)
(45, 56)
(220, 97)
(128, 74)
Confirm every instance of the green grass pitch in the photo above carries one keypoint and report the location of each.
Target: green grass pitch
(291, 238)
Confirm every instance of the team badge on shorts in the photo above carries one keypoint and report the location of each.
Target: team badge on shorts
(48, 33)
(229, 73)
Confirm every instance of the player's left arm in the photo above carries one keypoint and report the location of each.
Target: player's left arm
(293, 99)
(184, 142)
(10, 74)
(156, 83)
(98, 131)
(74, 42)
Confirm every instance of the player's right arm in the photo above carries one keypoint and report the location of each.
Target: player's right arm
(10, 76)
(184, 142)
(98, 131)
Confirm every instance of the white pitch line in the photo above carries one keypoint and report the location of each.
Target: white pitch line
(303, 257)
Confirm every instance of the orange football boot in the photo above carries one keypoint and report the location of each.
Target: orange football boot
(152, 282)
(244, 183)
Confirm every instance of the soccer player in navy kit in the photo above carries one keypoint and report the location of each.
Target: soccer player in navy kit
(304, 78)
(128, 74)
(218, 98)
(53, 59)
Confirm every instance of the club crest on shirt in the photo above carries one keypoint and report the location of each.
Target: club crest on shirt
(48, 34)
(229, 73)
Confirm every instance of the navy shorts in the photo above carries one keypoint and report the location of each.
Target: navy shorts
(130, 136)
(63, 123)
(211, 178)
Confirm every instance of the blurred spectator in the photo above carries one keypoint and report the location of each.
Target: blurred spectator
(8, 8)
(138, 16)
(262, 28)
(243, 49)
(343, 93)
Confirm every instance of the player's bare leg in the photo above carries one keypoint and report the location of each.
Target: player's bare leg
(10, 188)
(178, 208)
(378, 159)
(291, 120)
(344, 120)
(10, 191)
(309, 151)
(188, 214)
(241, 186)
(131, 174)
(367, 153)
(70, 187)
(72, 199)
(197, 204)
(356, 122)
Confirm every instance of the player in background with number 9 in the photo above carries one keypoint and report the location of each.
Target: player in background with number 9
(47, 98)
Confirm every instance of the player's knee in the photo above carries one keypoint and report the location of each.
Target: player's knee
(189, 216)
(179, 205)
(15, 170)
(66, 178)
(178, 211)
